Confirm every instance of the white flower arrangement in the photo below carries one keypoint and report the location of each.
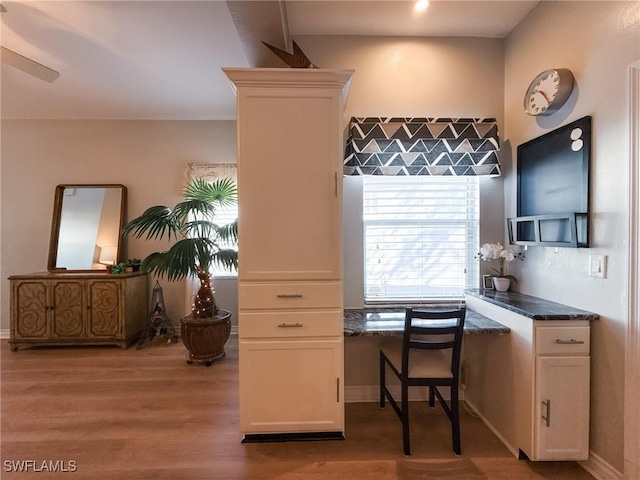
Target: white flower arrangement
(495, 251)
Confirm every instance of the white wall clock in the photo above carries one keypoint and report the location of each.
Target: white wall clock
(548, 91)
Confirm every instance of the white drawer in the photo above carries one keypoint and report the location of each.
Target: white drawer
(562, 340)
(290, 324)
(290, 295)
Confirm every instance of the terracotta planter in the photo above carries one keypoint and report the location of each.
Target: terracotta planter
(205, 338)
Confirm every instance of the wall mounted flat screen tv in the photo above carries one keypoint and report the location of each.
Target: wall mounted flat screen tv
(553, 187)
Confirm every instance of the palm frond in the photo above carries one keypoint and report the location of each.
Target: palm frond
(158, 264)
(229, 233)
(155, 222)
(201, 243)
(227, 259)
(194, 207)
(223, 192)
(180, 261)
(201, 228)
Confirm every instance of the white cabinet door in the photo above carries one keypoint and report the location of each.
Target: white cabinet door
(562, 408)
(291, 386)
(289, 184)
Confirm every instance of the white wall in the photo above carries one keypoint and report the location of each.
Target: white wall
(148, 157)
(597, 41)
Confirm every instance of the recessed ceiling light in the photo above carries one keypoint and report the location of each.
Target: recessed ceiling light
(421, 5)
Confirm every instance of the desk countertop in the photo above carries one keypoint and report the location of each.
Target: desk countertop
(390, 321)
(532, 307)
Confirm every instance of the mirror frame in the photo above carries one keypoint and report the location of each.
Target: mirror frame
(57, 216)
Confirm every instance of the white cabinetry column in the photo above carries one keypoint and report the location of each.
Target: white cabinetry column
(290, 148)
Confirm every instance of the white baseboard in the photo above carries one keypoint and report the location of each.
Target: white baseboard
(4, 333)
(361, 394)
(600, 469)
(371, 393)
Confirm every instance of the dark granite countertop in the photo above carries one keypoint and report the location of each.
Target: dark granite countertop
(390, 321)
(532, 307)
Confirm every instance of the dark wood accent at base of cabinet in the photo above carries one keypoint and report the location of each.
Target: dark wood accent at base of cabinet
(292, 437)
(123, 344)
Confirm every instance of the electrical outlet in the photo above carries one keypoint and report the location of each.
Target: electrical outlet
(598, 266)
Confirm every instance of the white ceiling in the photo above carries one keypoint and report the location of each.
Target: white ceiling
(162, 59)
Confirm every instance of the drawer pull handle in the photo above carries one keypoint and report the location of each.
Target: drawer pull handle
(569, 342)
(547, 405)
(290, 295)
(290, 325)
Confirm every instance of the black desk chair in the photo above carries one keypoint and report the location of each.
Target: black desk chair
(428, 356)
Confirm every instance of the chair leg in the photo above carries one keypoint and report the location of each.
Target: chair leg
(382, 380)
(455, 420)
(432, 400)
(406, 442)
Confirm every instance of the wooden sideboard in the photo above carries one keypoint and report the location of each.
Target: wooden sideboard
(77, 308)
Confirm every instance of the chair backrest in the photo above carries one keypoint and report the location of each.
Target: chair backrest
(433, 329)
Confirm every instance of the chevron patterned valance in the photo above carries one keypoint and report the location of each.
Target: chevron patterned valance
(422, 146)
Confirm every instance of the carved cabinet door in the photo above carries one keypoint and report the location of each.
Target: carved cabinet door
(104, 308)
(67, 308)
(31, 307)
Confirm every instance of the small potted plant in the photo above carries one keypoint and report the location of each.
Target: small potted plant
(198, 243)
(495, 251)
(132, 265)
(118, 268)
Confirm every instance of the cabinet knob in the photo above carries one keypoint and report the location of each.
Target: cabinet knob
(290, 325)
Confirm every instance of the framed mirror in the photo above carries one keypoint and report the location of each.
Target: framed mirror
(86, 228)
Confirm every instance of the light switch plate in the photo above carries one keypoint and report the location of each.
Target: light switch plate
(598, 266)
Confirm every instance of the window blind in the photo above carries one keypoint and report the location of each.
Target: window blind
(421, 237)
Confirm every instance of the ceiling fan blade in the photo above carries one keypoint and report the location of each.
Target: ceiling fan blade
(27, 65)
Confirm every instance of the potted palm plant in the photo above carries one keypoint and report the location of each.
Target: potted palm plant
(198, 244)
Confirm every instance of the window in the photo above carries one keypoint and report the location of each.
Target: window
(421, 237)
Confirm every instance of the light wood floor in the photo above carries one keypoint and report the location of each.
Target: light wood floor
(146, 414)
